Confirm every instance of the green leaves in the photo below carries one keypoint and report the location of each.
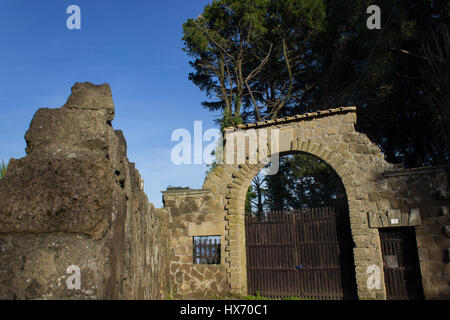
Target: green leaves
(195, 37)
(303, 181)
(246, 55)
(3, 168)
(251, 195)
(311, 11)
(262, 59)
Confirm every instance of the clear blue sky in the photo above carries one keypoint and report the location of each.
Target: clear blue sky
(133, 45)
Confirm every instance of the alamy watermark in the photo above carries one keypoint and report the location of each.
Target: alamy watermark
(237, 146)
(74, 20)
(73, 281)
(374, 20)
(374, 279)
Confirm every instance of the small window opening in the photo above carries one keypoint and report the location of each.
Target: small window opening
(206, 250)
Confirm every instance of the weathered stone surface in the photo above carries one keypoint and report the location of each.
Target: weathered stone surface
(90, 96)
(76, 200)
(69, 132)
(201, 215)
(447, 230)
(41, 194)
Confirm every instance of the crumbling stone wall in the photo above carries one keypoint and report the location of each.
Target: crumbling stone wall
(76, 200)
(194, 213)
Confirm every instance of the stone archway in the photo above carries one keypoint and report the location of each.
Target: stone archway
(331, 136)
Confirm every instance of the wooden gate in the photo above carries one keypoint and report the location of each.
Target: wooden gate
(301, 253)
(401, 263)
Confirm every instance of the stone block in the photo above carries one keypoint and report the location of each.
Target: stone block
(210, 228)
(174, 267)
(442, 241)
(285, 140)
(423, 254)
(186, 259)
(320, 132)
(332, 130)
(346, 128)
(309, 124)
(426, 241)
(428, 268)
(414, 217)
(209, 276)
(437, 254)
(361, 254)
(180, 250)
(447, 230)
(196, 274)
(349, 118)
(323, 122)
(446, 269)
(308, 133)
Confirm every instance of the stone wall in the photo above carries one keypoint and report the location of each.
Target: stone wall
(76, 200)
(377, 193)
(194, 213)
(420, 198)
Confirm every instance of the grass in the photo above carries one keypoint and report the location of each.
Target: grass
(3, 168)
(257, 296)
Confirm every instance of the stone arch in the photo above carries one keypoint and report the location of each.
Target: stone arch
(331, 136)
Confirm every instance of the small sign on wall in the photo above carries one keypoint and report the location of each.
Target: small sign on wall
(394, 218)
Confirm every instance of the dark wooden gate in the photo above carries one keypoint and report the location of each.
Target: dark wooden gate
(401, 263)
(301, 253)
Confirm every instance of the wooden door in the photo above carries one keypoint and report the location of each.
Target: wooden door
(401, 263)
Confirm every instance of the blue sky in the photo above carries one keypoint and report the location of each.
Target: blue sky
(133, 45)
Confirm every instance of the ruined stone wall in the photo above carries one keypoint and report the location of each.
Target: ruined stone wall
(194, 213)
(76, 200)
(421, 199)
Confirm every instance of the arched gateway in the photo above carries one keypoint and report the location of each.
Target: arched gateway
(330, 135)
(385, 209)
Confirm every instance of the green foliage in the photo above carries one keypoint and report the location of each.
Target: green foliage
(265, 58)
(436, 89)
(379, 71)
(243, 54)
(218, 153)
(257, 296)
(277, 192)
(3, 168)
(251, 195)
(303, 181)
